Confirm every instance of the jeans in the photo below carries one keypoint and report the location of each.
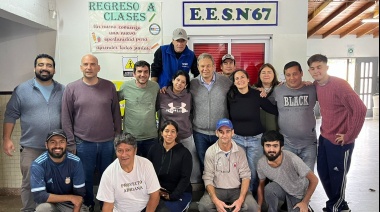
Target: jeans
(308, 154)
(27, 156)
(144, 146)
(202, 143)
(58, 207)
(181, 204)
(254, 151)
(196, 175)
(94, 155)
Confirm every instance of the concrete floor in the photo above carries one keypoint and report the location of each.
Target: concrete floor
(362, 192)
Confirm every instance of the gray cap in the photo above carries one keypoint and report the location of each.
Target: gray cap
(54, 132)
(228, 56)
(179, 33)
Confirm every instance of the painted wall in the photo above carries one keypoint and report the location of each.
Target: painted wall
(289, 37)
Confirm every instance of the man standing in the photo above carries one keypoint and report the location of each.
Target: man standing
(295, 102)
(209, 92)
(168, 59)
(226, 175)
(91, 118)
(228, 65)
(57, 177)
(37, 103)
(343, 115)
(140, 97)
(291, 180)
(130, 182)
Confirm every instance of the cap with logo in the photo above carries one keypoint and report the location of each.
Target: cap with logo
(228, 56)
(179, 33)
(224, 122)
(52, 133)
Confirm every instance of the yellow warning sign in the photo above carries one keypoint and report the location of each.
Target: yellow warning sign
(130, 64)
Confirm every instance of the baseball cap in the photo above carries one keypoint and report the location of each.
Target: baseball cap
(56, 132)
(179, 33)
(227, 56)
(224, 122)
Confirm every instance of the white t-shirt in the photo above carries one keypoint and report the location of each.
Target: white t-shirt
(128, 191)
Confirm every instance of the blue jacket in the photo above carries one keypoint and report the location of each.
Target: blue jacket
(37, 116)
(170, 64)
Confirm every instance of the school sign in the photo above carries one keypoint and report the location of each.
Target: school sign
(232, 13)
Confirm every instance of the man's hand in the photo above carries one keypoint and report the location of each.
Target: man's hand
(307, 83)
(8, 147)
(220, 205)
(237, 204)
(163, 89)
(76, 200)
(302, 206)
(340, 139)
(164, 195)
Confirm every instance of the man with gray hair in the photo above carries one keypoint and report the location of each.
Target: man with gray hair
(129, 179)
(209, 92)
(168, 59)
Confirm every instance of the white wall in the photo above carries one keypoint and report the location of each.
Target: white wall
(289, 37)
(26, 30)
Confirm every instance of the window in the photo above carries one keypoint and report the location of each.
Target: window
(249, 52)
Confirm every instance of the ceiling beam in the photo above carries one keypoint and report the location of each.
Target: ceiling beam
(344, 6)
(348, 19)
(354, 27)
(364, 32)
(318, 10)
(376, 34)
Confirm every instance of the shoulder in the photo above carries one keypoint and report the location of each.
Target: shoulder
(42, 158)
(25, 85)
(73, 157)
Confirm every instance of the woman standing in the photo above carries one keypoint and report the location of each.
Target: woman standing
(172, 163)
(244, 105)
(267, 81)
(176, 105)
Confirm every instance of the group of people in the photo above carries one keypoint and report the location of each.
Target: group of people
(252, 147)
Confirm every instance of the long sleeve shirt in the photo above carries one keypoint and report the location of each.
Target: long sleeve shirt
(342, 110)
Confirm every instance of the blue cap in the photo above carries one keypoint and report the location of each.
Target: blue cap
(224, 122)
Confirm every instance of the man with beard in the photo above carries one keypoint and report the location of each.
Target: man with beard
(140, 95)
(290, 179)
(37, 103)
(57, 177)
(91, 118)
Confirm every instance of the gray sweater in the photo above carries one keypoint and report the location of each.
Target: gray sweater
(209, 106)
(37, 116)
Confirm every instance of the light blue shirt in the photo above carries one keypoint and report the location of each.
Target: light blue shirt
(45, 90)
(208, 86)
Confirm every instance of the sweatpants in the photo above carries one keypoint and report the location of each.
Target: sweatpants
(333, 163)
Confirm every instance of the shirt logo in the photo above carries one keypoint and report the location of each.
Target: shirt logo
(176, 109)
(50, 181)
(67, 180)
(296, 101)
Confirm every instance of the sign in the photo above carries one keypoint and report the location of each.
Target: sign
(230, 13)
(128, 65)
(125, 27)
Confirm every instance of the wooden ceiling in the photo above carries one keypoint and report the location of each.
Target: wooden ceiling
(342, 17)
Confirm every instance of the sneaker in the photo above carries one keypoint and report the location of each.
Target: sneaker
(345, 209)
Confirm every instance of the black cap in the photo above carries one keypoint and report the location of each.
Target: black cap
(56, 132)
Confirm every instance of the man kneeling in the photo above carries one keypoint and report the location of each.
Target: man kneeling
(291, 180)
(57, 177)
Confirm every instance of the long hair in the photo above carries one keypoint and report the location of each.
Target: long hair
(233, 89)
(181, 73)
(164, 125)
(274, 82)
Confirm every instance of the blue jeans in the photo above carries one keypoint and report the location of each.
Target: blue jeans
(202, 143)
(181, 204)
(254, 151)
(94, 155)
(308, 154)
(144, 146)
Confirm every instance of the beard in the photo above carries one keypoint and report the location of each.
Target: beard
(45, 77)
(57, 155)
(272, 157)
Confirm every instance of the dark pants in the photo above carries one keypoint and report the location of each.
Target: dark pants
(333, 163)
(144, 146)
(202, 143)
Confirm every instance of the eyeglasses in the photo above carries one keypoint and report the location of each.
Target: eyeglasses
(222, 164)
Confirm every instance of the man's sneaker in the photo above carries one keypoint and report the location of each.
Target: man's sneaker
(344, 209)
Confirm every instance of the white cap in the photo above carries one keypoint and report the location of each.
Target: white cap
(179, 33)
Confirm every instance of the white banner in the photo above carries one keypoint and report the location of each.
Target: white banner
(125, 27)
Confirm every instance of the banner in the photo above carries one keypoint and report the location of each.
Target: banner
(125, 27)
